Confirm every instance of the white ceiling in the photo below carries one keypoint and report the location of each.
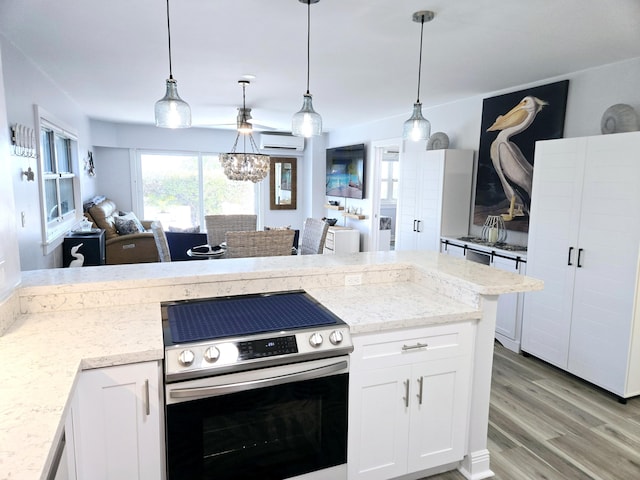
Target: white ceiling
(111, 55)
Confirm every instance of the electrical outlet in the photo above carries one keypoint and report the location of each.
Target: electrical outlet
(354, 279)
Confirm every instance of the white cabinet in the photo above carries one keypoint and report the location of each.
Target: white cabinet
(117, 423)
(510, 305)
(434, 196)
(408, 400)
(584, 238)
(342, 240)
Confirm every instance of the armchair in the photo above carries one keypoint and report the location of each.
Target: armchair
(130, 248)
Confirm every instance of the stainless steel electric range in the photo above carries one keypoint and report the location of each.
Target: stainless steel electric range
(256, 387)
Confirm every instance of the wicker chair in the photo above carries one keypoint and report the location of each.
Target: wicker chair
(313, 237)
(219, 225)
(269, 243)
(161, 241)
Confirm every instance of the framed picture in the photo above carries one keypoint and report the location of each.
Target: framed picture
(511, 124)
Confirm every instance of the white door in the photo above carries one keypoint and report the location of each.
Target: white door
(439, 401)
(118, 423)
(553, 247)
(379, 423)
(604, 293)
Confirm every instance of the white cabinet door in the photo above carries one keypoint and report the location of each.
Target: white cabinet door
(439, 396)
(606, 262)
(118, 418)
(509, 304)
(552, 247)
(379, 424)
(409, 198)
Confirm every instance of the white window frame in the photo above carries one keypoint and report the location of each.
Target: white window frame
(137, 203)
(53, 231)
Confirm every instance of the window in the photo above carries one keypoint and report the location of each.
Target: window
(389, 170)
(58, 162)
(179, 189)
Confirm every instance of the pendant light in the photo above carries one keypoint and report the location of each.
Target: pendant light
(252, 166)
(418, 127)
(171, 111)
(307, 122)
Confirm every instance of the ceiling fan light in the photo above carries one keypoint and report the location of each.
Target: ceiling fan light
(306, 122)
(171, 111)
(417, 127)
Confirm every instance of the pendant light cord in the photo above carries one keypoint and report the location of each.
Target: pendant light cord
(308, 41)
(169, 36)
(420, 60)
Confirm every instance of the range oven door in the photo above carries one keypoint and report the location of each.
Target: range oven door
(270, 424)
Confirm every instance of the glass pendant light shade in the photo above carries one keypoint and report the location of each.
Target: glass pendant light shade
(171, 110)
(306, 122)
(417, 127)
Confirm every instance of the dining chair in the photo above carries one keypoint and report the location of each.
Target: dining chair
(313, 236)
(218, 225)
(270, 243)
(161, 241)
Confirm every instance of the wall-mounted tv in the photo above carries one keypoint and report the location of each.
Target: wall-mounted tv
(345, 171)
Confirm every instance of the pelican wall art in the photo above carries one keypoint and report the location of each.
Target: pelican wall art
(511, 124)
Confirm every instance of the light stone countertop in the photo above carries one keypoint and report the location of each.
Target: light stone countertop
(102, 316)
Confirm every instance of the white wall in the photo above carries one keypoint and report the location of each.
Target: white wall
(9, 259)
(25, 86)
(591, 92)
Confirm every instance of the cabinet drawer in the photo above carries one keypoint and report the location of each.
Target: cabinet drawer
(401, 347)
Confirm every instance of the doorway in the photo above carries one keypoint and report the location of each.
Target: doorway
(386, 155)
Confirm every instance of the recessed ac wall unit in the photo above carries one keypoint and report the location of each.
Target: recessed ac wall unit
(281, 142)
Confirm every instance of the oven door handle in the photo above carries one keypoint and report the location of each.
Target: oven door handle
(263, 382)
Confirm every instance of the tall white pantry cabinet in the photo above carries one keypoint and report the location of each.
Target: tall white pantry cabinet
(434, 196)
(584, 240)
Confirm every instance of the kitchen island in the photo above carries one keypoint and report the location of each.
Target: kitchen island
(73, 320)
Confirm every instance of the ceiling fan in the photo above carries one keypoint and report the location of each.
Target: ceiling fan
(243, 121)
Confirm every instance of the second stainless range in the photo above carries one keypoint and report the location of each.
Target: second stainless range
(256, 387)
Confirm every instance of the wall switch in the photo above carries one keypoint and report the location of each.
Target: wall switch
(354, 279)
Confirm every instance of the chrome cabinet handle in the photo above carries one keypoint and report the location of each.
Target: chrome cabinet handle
(569, 257)
(414, 225)
(406, 393)
(418, 227)
(579, 256)
(147, 406)
(419, 395)
(414, 347)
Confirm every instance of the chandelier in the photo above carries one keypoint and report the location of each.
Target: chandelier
(246, 166)
(418, 127)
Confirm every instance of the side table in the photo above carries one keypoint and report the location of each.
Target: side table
(92, 251)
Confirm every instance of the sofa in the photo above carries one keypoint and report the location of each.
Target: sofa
(139, 247)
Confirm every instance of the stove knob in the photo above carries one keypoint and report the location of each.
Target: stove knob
(315, 340)
(336, 337)
(212, 354)
(186, 358)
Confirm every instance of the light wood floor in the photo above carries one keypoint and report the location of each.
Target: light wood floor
(546, 424)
